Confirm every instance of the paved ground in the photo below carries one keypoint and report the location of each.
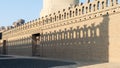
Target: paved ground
(34, 62)
(103, 65)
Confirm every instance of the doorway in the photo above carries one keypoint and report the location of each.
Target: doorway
(35, 44)
(4, 48)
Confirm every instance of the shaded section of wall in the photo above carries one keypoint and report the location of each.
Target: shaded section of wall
(23, 50)
(80, 43)
(0, 50)
(1, 47)
(20, 47)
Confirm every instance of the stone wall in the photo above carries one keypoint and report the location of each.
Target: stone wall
(20, 46)
(21, 50)
(114, 38)
(83, 32)
(86, 40)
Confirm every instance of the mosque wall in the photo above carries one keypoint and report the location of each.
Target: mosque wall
(87, 32)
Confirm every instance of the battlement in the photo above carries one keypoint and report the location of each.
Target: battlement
(85, 11)
(81, 10)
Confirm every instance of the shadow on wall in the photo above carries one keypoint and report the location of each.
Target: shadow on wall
(83, 43)
(0, 48)
(80, 43)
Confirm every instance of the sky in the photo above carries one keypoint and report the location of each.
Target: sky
(13, 10)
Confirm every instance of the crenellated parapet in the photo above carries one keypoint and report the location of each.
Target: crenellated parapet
(71, 15)
(25, 29)
(81, 12)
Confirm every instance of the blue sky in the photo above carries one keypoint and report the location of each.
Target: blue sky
(12, 10)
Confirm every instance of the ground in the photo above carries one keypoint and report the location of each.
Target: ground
(37, 62)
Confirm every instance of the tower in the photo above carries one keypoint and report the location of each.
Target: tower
(51, 6)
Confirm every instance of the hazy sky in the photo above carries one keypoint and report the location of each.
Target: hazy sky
(12, 10)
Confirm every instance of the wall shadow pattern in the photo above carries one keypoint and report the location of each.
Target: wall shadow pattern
(83, 43)
(20, 47)
(88, 43)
